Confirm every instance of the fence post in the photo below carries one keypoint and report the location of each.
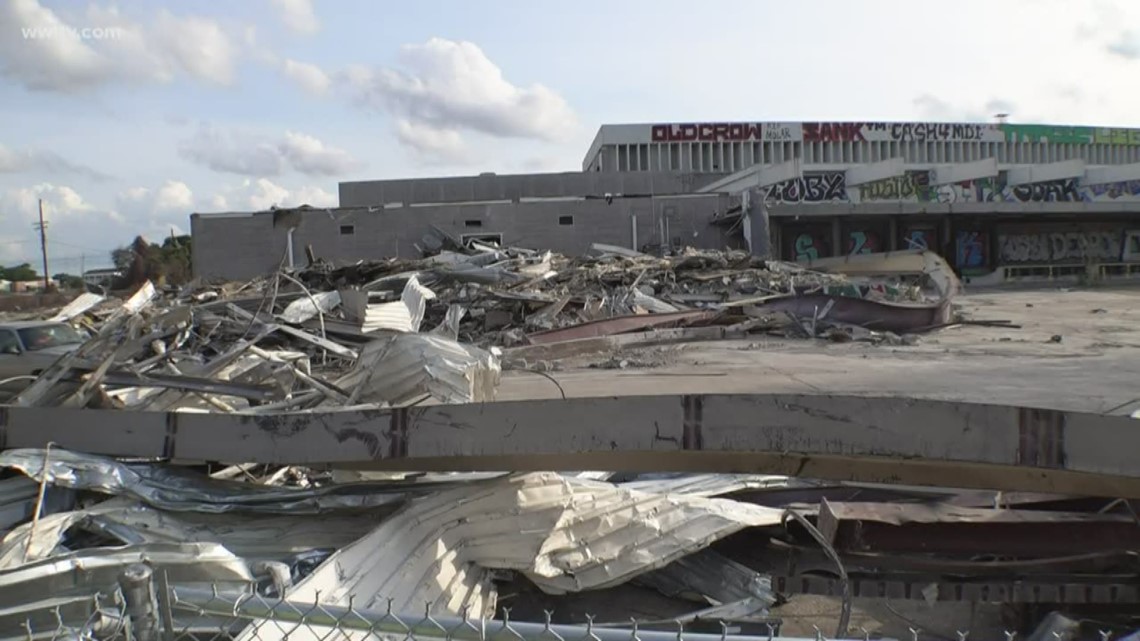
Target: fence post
(138, 593)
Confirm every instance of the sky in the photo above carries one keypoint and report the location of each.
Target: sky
(125, 117)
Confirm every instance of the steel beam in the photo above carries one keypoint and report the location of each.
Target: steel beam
(889, 440)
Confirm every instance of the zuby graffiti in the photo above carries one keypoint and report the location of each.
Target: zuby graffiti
(812, 188)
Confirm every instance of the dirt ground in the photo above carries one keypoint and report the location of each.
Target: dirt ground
(1076, 349)
(1095, 366)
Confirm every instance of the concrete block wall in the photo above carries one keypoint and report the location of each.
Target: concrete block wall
(242, 246)
(512, 187)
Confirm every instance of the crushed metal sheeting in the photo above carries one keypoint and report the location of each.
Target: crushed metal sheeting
(180, 490)
(354, 333)
(564, 534)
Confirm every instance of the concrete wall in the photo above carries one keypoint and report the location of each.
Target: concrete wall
(513, 187)
(242, 246)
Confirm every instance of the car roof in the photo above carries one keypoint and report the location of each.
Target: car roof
(26, 324)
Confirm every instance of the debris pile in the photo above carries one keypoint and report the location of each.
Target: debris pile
(327, 337)
(662, 548)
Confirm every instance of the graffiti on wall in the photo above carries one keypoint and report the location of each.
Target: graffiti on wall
(812, 188)
(891, 132)
(1059, 135)
(726, 132)
(924, 237)
(970, 249)
(913, 185)
(864, 241)
(1055, 247)
(808, 245)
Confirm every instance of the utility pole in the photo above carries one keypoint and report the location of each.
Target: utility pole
(42, 226)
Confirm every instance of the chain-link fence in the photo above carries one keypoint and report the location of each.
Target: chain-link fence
(146, 609)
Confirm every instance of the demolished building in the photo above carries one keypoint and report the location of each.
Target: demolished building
(327, 439)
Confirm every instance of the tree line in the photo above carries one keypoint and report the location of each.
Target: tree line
(165, 264)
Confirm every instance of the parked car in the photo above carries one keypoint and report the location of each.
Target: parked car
(29, 347)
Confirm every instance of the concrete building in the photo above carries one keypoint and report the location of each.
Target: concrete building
(244, 245)
(998, 200)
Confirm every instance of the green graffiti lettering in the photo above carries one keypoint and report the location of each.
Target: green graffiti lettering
(1048, 133)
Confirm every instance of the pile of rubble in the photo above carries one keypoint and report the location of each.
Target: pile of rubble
(747, 550)
(395, 332)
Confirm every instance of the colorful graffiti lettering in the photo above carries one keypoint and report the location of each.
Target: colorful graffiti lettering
(920, 238)
(1061, 246)
(893, 132)
(812, 188)
(913, 185)
(863, 242)
(1114, 191)
(807, 247)
(970, 249)
(927, 131)
(1048, 133)
(1054, 191)
(1130, 137)
(706, 132)
(833, 131)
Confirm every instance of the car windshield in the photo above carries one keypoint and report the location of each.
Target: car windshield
(45, 336)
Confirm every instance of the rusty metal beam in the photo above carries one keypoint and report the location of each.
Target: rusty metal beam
(890, 440)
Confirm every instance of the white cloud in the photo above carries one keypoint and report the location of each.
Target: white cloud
(439, 145)
(312, 157)
(311, 195)
(450, 86)
(298, 15)
(75, 225)
(261, 194)
(1126, 45)
(42, 162)
(174, 195)
(941, 110)
(52, 53)
(309, 77)
(173, 199)
(251, 154)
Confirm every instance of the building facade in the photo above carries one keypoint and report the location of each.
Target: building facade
(248, 244)
(727, 147)
(997, 200)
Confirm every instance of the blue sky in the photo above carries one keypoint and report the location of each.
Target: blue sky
(124, 117)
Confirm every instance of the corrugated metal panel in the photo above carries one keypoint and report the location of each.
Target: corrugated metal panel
(564, 534)
(76, 307)
(303, 309)
(177, 489)
(406, 367)
(404, 315)
(252, 537)
(709, 484)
